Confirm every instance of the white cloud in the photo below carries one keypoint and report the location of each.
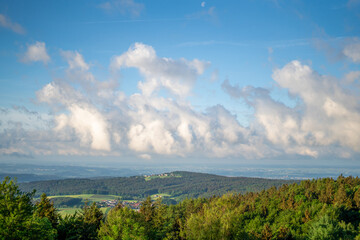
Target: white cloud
(203, 4)
(177, 76)
(328, 114)
(36, 53)
(166, 127)
(7, 23)
(89, 125)
(75, 60)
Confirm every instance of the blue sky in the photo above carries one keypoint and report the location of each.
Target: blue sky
(251, 80)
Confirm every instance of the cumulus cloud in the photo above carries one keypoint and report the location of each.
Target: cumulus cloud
(143, 123)
(5, 22)
(88, 123)
(177, 76)
(328, 114)
(36, 53)
(166, 127)
(124, 7)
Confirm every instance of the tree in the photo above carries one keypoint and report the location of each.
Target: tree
(45, 208)
(147, 209)
(17, 220)
(70, 227)
(123, 223)
(81, 225)
(91, 216)
(329, 228)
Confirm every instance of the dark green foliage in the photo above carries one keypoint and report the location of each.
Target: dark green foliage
(45, 209)
(70, 227)
(17, 218)
(66, 201)
(91, 217)
(81, 225)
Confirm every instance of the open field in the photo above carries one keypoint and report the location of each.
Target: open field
(67, 211)
(90, 197)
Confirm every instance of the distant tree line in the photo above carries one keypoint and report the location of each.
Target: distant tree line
(313, 209)
(67, 202)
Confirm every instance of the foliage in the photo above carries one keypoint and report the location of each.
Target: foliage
(123, 223)
(313, 209)
(45, 209)
(81, 225)
(316, 209)
(17, 218)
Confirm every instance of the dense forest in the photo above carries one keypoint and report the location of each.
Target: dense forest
(180, 186)
(313, 209)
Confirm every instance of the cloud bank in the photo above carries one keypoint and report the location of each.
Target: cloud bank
(95, 117)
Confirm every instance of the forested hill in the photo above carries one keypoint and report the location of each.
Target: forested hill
(177, 184)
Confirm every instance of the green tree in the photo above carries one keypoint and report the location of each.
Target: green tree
(123, 223)
(17, 220)
(70, 227)
(45, 208)
(327, 228)
(91, 217)
(81, 225)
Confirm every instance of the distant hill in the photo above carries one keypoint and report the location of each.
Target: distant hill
(178, 185)
(28, 177)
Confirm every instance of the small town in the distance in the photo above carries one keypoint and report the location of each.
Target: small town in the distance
(180, 120)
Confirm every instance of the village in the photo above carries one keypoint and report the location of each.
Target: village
(135, 205)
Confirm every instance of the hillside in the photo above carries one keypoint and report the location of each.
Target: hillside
(176, 184)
